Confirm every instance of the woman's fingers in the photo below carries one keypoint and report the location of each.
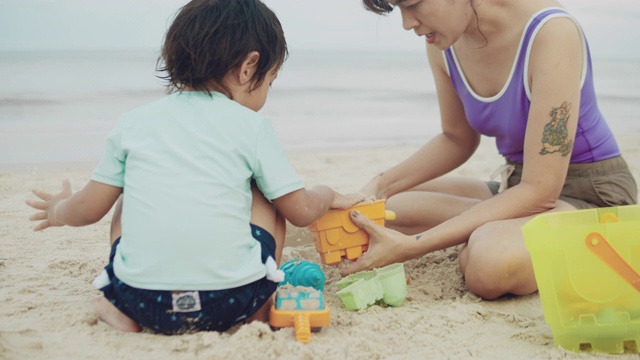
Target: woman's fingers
(385, 246)
(364, 222)
(367, 260)
(360, 264)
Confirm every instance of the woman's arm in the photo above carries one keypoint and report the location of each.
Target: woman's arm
(84, 207)
(555, 73)
(443, 153)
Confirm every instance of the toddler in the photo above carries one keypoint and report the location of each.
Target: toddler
(201, 184)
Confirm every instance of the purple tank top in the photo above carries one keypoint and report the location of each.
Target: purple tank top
(504, 116)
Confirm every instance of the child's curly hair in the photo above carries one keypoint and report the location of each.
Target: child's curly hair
(209, 38)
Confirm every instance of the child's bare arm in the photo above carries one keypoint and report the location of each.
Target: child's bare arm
(84, 207)
(304, 206)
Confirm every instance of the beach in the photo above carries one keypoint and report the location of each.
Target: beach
(46, 291)
(335, 135)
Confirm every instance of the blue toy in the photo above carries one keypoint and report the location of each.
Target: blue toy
(303, 273)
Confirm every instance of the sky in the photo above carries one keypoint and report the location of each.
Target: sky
(611, 25)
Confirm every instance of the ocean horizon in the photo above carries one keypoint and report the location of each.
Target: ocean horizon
(58, 106)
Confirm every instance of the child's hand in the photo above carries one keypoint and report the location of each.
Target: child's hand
(345, 201)
(48, 206)
(371, 188)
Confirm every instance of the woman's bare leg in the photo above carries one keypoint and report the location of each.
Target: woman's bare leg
(103, 308)
(495, 260)
(434, 202)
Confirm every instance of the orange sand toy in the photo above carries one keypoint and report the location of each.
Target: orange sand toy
(301, 308)
(336, 236)
(302, 320)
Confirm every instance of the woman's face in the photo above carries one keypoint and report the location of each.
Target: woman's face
(441, 22)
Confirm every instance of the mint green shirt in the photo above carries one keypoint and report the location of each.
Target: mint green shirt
(185, 163)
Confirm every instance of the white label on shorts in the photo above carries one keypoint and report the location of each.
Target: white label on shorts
(187, 301)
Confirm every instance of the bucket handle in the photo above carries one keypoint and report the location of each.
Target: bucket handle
(603, 250)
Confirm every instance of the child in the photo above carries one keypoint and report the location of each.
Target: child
(195, 237)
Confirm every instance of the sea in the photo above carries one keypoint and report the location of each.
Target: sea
(58, 107)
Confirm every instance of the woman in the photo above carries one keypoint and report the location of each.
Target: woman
(519, 71)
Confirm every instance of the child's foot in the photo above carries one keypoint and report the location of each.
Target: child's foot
(108, 313)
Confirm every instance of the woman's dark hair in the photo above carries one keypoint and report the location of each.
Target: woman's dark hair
(377, 6)
(382, 7)
(209, 38)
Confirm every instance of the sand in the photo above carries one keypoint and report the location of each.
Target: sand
(45, 310)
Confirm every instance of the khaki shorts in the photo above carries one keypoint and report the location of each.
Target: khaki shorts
(589, 185)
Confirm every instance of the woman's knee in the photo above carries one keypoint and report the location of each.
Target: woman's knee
(463, 258)
(491, 270)
(484, 282)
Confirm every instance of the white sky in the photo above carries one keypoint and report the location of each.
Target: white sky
(612, 26)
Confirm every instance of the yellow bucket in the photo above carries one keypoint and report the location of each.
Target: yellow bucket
(587, 265)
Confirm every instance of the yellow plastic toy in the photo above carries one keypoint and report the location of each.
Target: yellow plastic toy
(336, 237)
(587, 265)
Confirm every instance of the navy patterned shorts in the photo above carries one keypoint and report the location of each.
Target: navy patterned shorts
(218, 310)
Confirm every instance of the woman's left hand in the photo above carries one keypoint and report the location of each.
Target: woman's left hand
(386, 246)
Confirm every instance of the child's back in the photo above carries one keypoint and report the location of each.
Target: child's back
(188, 160)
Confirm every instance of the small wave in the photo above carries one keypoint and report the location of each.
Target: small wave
(362, 92)
(19, 102)
(624, 97)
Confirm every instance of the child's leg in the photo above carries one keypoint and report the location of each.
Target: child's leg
(105, 310)
(116, 221)
(264, 214)
(110, 314)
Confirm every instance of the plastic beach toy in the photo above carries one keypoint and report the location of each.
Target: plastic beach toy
(336, 237)
(387, 284)
(587, 264)
(300, 300)
(303, 273)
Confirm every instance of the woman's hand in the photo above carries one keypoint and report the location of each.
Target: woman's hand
(386, 246)
(48, 206)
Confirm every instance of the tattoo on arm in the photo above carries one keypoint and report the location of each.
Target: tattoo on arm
(418, 237)
(555, 137)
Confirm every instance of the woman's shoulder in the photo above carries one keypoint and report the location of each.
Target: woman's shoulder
(557, 31)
